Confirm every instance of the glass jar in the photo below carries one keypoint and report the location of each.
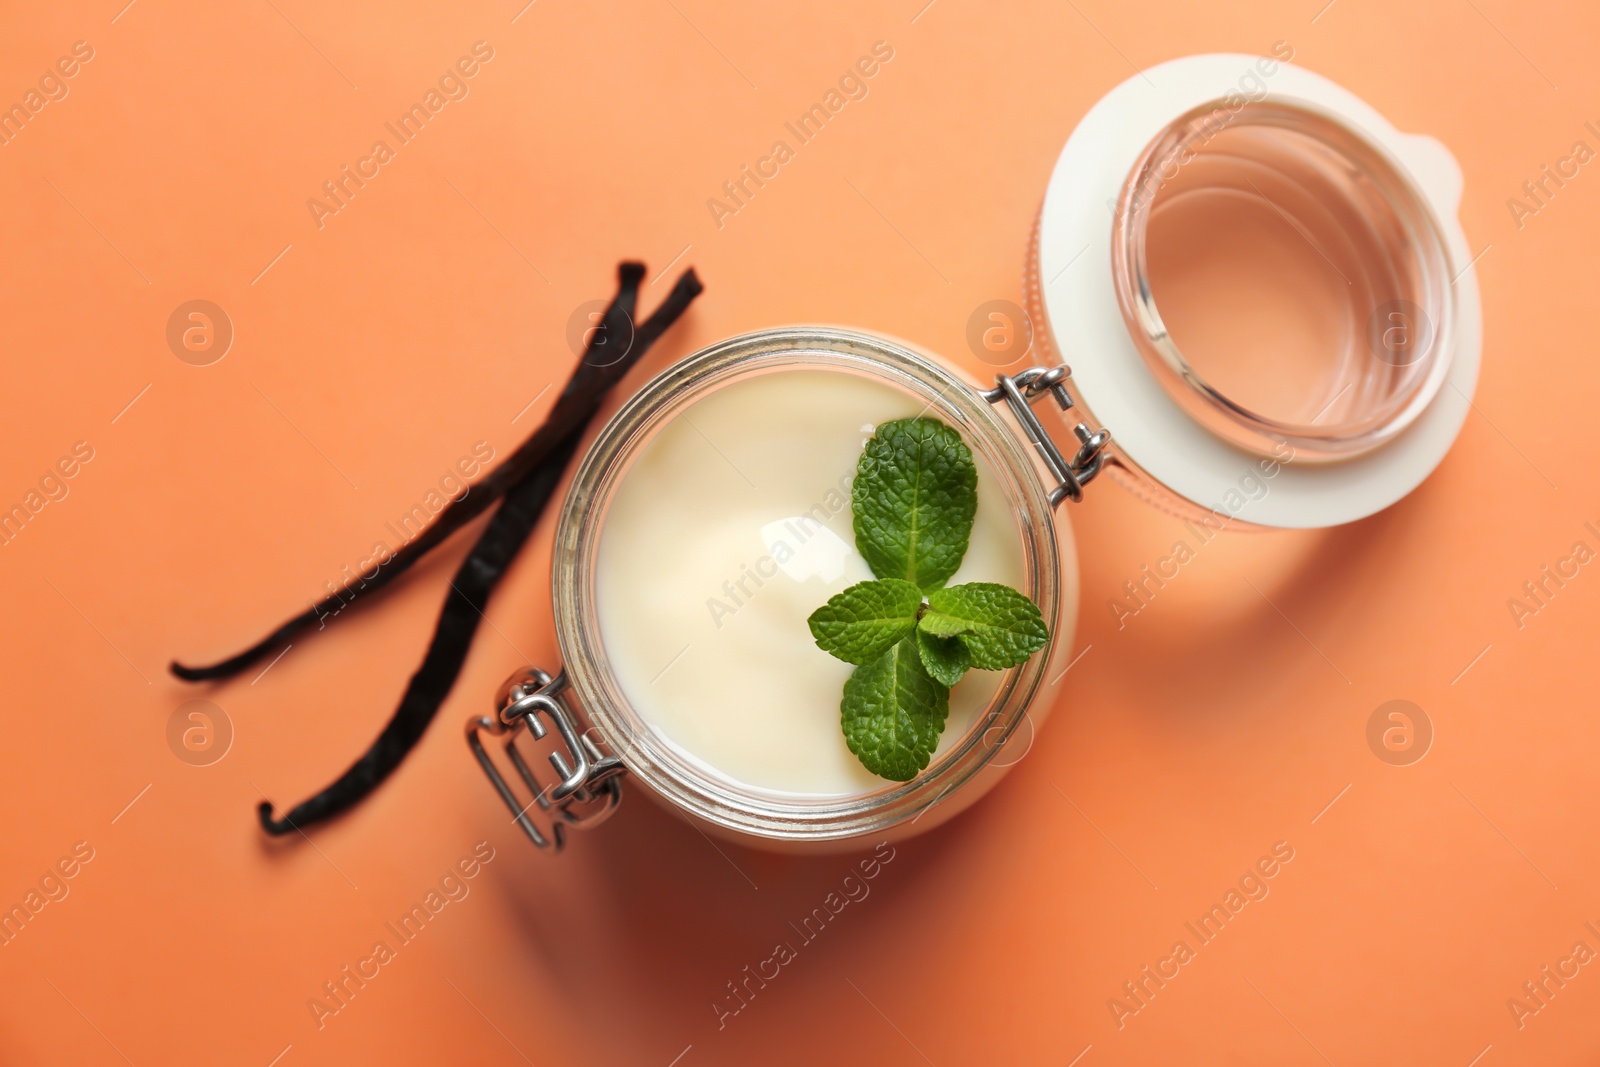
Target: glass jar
(600, 730)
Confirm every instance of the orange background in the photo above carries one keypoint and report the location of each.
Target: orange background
(432, 309)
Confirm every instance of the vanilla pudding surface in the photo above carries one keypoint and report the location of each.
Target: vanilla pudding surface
(731, 527)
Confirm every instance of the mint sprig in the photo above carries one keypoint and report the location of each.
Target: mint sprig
(914, 498)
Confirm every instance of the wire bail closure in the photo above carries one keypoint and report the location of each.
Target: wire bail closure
(1016, 391)
(589, 787)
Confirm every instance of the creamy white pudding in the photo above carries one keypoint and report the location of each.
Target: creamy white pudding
(731, 526)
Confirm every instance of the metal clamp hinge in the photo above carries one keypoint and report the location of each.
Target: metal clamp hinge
(1075, 473)
(589, 786)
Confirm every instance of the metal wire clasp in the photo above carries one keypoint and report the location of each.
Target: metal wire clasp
(1075, 473)
(589, 786)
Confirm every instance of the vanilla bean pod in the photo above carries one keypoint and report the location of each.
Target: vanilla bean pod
(464, 604)
(595, 375)
(526, 482)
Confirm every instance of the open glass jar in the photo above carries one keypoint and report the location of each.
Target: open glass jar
(1367, 417)
(598, 720)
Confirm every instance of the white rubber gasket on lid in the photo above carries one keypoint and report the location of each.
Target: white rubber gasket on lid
(1087, 328)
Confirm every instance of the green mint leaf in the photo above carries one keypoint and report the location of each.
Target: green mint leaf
(999, 626)
(914, 495)
(866, 620)
(893, 713)
(946, 658)
(938, 624)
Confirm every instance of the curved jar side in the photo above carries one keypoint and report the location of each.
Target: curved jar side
(960, 773)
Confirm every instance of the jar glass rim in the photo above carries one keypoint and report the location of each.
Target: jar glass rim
(651, 758)
(1405, 241)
